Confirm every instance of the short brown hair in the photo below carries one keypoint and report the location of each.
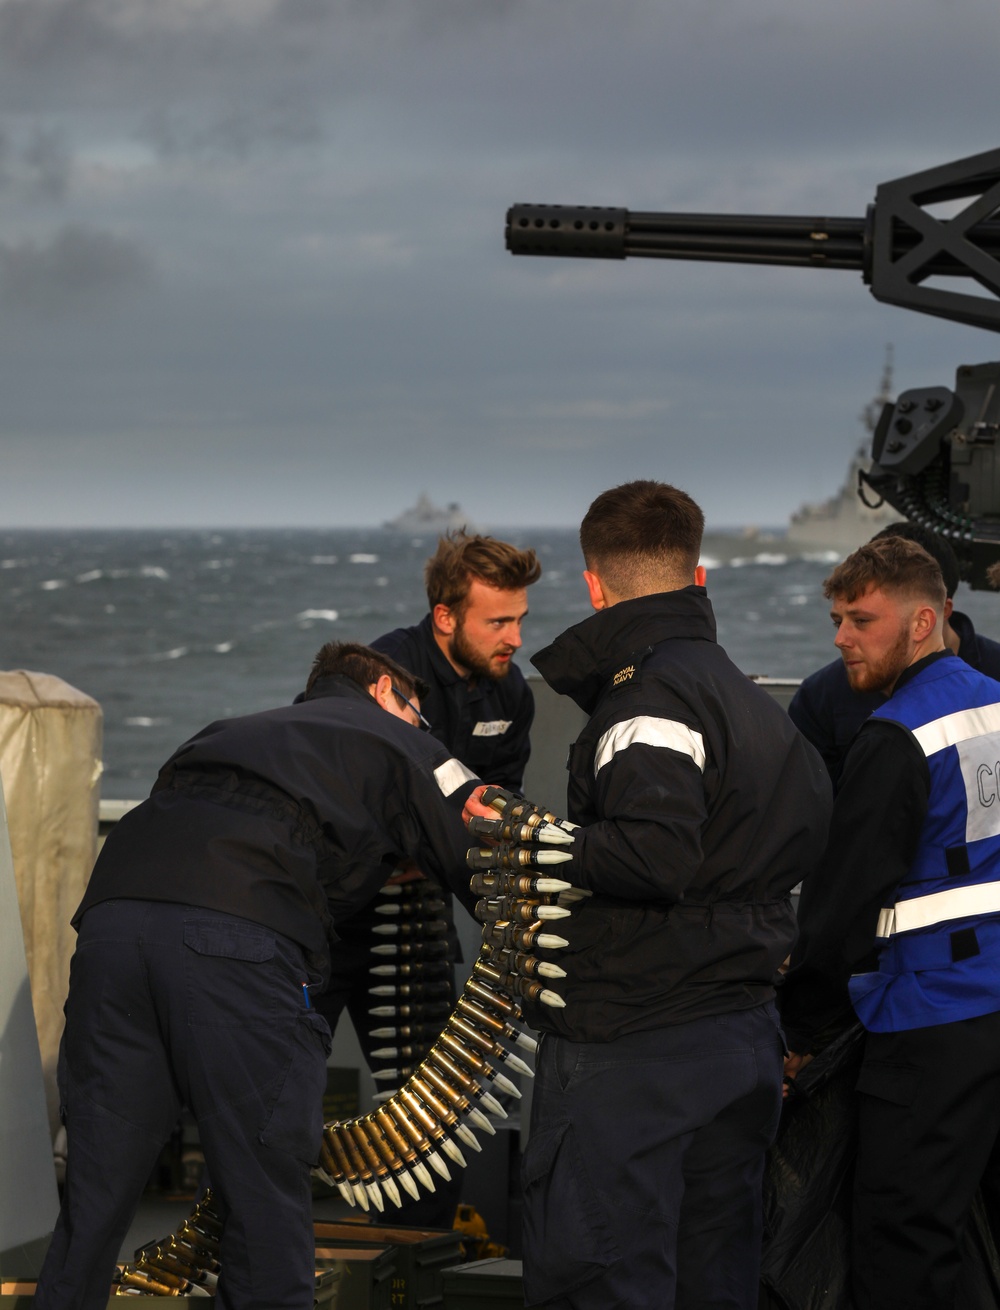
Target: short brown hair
(364, 666)
(462, 556)
(642, 536)
(891, 564)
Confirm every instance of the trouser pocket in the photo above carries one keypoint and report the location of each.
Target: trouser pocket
(295, 1121)
(568, 1234)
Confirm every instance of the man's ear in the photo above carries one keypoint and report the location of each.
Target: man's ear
(443, 619)
(949, 605)
(382, 691)
(924, 621)
(595, 588)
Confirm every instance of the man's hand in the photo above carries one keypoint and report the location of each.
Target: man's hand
(406, 871)
(794, 1064)
(475, 809)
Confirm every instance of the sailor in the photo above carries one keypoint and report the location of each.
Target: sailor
(902, 923)
(478, 704)
(204, 932)
(658, 1087)
(829, 712)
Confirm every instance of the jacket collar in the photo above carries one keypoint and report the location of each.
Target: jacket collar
(584, 657)
(335, 684)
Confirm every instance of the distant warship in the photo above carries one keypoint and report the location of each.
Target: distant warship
(845, 522)
(426, 517)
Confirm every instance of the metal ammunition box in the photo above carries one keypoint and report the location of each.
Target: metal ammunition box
(495, 1284)
(421, 1255)
(364, 1274)
(21, 1295)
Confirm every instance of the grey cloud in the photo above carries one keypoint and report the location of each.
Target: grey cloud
(78, 269)
(38, 167)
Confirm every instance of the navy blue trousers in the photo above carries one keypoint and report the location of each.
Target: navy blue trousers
(642, 1173)
(170, 1005)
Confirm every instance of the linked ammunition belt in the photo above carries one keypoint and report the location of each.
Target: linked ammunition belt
(418, 1130)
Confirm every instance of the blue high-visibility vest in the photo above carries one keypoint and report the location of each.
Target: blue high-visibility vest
(939, 938)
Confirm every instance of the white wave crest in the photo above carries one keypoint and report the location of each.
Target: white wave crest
(323, 559)
(331, 616)
(90, 576)
(53, 584)
(175, 654)
(361, 558)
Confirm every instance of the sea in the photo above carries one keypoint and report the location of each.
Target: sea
(169, 630)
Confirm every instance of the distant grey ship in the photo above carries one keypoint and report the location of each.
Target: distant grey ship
(845, 522)
(426, 517)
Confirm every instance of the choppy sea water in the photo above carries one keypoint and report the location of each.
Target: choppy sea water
(169, 630)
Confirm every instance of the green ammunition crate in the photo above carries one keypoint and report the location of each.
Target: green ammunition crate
(421, 1254)
(492, 1283)
(364, 1274)
(21, 1295)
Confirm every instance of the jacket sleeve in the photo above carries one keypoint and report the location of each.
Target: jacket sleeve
(877, 819)
(429, 827)
(649, 791)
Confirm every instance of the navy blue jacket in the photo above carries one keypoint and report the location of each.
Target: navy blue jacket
(484, 722)
(828, 713)
(293, 817)
(702, 807)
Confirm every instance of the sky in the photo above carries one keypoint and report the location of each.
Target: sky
(252, 267)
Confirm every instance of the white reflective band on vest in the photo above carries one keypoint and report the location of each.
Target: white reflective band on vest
(939, 907)
(958, 727)
(645, 730)
(450, 775)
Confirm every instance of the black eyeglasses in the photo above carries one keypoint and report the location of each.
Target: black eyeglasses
(423, 723)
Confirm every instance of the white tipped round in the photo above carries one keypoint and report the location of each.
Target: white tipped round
(479, 1119)
(551, 835)
(383, 970)
(387, 1095)
(383, 1075)
(383, 1011)
(347, 1194)
(519, 1066)
(548, 997)
(551, 912)
(383, 989)
(386, 929)
(422, 1173)
(391, 889)
(392, 1192)
(438, 1165)
(361, 1196)
(464, 1134)
(452, 1151)
(504, 1085)
(388, 949)
(550, 942)
(569, 827)
(391, 908)
(381, 1032)
(492, 1106)
(373, 1191)
(385, 1053)
(526, 1043)
(549, 970)
(550, 885)
(551, 857)
(409, 1183)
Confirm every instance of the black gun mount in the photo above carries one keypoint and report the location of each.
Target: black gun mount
(935, 452)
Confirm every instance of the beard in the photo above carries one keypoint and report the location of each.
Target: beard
(881, 674)
(482, 666)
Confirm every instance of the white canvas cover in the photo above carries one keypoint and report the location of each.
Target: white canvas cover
(50, 764)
